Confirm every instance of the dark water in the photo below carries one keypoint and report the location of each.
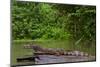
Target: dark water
(51, 59)
(46, 59)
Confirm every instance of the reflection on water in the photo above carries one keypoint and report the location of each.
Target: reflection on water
(45, 59)
(49, 59)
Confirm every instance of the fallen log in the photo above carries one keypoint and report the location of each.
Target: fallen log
(28, 58)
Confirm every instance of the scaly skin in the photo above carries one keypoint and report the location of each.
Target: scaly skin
(56, 51)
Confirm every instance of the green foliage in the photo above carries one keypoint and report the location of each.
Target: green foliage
(34, 21)
(55, 33)
(53, 21)
(82, 22)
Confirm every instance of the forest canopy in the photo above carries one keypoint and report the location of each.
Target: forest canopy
(50, 21)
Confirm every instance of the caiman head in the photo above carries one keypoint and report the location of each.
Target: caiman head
(33, 46)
